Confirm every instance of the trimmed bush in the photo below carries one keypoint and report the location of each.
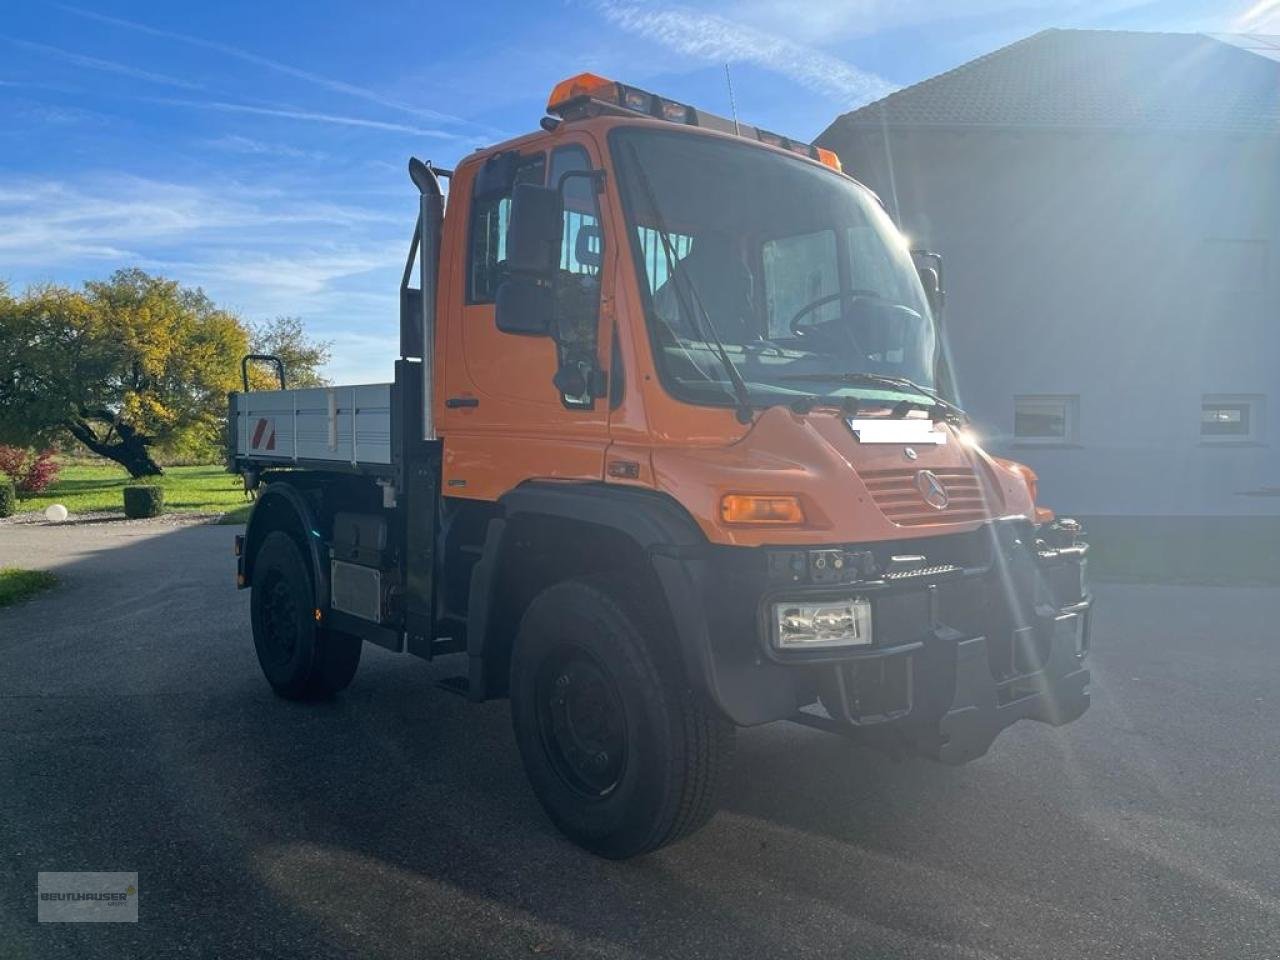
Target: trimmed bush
(144, 500)
(7, 497)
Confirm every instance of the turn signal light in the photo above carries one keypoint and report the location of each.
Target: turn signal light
(752, 508)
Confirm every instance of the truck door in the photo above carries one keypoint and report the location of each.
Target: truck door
(503, 419)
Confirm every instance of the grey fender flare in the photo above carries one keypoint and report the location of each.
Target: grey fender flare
(284, 498)
(659, 527)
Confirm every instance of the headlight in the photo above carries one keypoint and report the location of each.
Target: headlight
(806, 626)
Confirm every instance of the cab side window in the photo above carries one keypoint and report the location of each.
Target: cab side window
(490, 209)
(581, 258)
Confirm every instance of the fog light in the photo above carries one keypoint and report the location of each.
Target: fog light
(806, 626)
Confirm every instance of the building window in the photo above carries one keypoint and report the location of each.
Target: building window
(1230, 418)
(1042, 419)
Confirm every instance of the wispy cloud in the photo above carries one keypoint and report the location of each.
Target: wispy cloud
(311, 116)
(259, 250)
(235, 143)
(104, 66)
(824, 22)
(50, 222)
(247, 56)
(25, 117)
(283, 280)
(714, 38)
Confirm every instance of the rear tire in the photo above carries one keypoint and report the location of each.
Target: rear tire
(622, 754)
(300, 659)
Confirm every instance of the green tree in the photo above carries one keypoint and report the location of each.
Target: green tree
(285, 337)
(126, 364)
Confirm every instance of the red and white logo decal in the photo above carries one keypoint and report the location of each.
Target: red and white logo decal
(264, 434)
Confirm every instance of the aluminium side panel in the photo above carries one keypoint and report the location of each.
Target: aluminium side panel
(350, 425)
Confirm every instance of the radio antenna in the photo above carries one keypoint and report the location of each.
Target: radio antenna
(733, 107)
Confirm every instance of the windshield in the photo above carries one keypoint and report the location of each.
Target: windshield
(797, 272)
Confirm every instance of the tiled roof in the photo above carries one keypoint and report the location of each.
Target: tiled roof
(1099, 78)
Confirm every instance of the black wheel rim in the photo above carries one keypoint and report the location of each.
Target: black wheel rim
(581, 722)
(280, 620)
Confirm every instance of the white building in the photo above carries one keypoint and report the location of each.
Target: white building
(1108, 208)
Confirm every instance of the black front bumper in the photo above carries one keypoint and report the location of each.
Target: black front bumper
(992, 627)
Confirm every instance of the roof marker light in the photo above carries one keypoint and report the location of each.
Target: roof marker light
(828, 158)
(676, 112)
(637, 100)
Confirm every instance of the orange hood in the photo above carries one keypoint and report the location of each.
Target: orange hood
(851, 491)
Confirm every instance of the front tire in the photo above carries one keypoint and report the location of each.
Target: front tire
(622, 754)
(300, 659)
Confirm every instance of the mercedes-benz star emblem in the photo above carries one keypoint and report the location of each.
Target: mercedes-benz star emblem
(931, 488)
(910, 453)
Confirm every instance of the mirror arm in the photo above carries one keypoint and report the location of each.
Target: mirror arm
(597, 379)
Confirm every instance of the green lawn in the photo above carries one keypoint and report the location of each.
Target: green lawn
(85, 487)
(18, 584)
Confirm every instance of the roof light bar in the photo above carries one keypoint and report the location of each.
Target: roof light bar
(569, 98)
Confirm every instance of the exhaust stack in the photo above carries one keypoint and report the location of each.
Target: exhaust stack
(418, 326)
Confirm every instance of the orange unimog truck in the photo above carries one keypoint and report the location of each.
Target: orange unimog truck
(671, 449)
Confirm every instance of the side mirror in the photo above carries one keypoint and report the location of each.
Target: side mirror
(929, 266)
(525, 301)
(525, 306)
(932, 288)
(535, 230)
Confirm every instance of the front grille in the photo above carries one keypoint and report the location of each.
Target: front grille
(896, 494)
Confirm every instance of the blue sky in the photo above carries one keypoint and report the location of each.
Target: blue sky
(258, 149)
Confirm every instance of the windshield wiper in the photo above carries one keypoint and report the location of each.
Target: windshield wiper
(880, 379)
(741, 395)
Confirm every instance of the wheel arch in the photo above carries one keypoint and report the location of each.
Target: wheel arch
(285, 507)
(638, 534)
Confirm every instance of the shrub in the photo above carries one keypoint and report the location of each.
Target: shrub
(31, 472)
(7, 497)
(143, 500)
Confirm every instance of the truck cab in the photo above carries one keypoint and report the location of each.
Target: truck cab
(672, 448)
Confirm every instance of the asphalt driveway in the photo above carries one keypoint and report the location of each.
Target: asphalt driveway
(137, 734)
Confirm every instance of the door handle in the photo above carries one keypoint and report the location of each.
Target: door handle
(454, 403)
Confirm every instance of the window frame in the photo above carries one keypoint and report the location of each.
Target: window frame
(1254, 403)
(587, 400)
(1070, 406)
